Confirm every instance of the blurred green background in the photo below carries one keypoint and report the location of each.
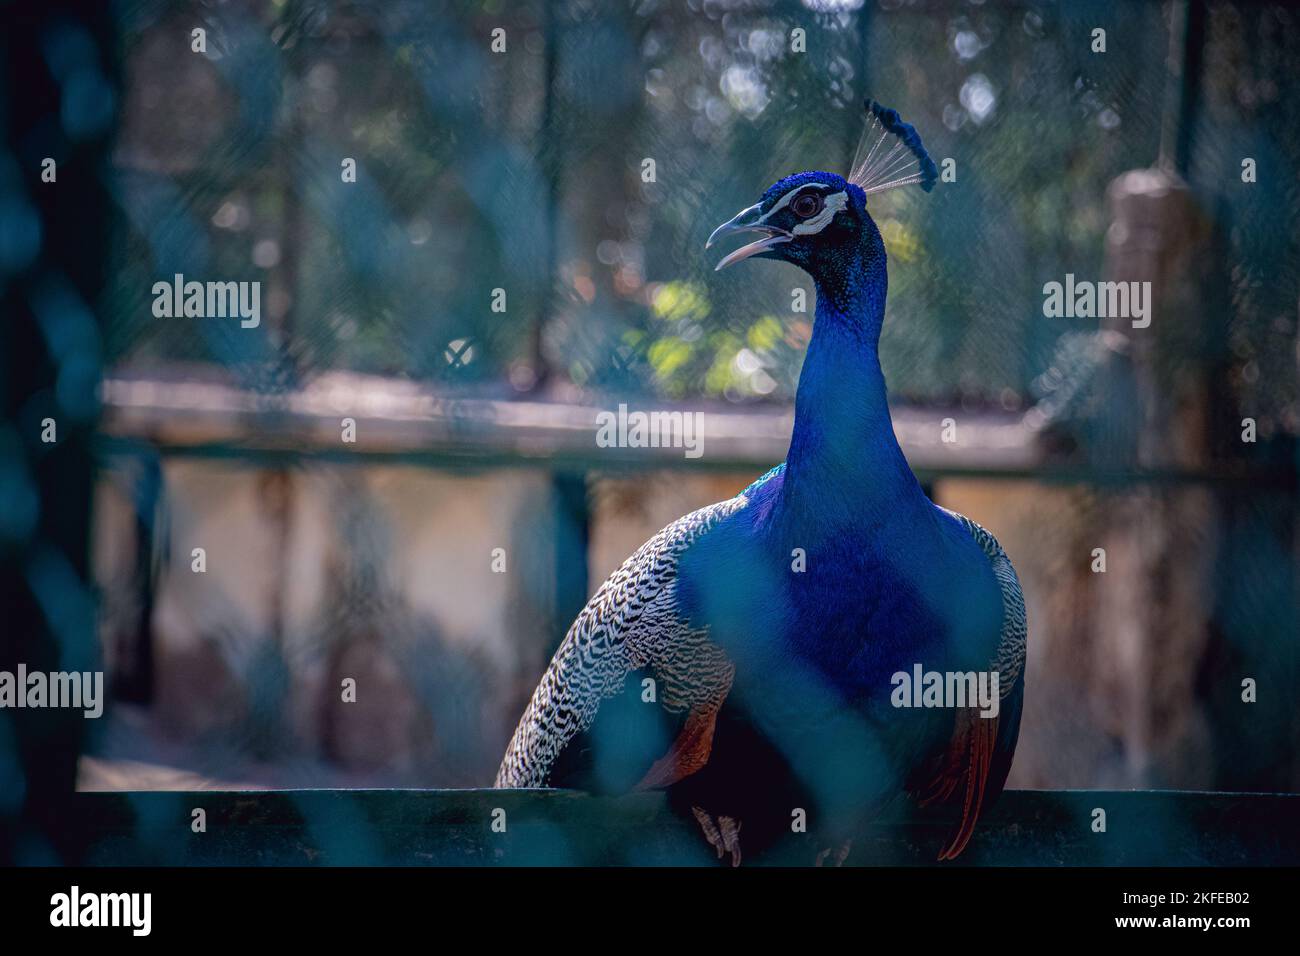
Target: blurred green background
(522, 171)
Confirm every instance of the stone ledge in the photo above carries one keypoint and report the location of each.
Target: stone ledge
(555, 827)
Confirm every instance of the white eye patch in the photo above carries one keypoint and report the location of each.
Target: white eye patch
(834, 203)
(789, 198)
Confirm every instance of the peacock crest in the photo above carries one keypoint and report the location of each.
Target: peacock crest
(890, 154)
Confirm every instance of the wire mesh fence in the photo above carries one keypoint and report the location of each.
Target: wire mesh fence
(520, 218)
(581, 170)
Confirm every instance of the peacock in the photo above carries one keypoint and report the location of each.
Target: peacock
(750, 658)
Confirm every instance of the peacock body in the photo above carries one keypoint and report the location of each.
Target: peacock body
(774, 625)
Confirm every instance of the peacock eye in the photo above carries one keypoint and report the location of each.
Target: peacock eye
(807, 205)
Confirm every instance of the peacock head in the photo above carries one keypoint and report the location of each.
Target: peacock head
(816, 220)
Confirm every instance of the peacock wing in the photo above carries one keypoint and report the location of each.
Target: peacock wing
(631, 626)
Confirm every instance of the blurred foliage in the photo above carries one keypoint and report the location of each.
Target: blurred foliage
(523, 171)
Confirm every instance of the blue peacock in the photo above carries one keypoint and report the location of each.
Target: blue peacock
(771, 628)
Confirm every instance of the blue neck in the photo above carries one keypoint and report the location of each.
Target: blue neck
(843, 449)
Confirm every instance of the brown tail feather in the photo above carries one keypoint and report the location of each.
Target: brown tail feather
(689, 752)
(969, 758)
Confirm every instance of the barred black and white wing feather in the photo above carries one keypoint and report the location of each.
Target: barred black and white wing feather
(1009, 662)
(632, 622)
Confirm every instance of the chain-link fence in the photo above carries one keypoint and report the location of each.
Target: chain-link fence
(473, 224)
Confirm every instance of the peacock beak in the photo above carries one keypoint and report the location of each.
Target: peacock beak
(747, 221)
